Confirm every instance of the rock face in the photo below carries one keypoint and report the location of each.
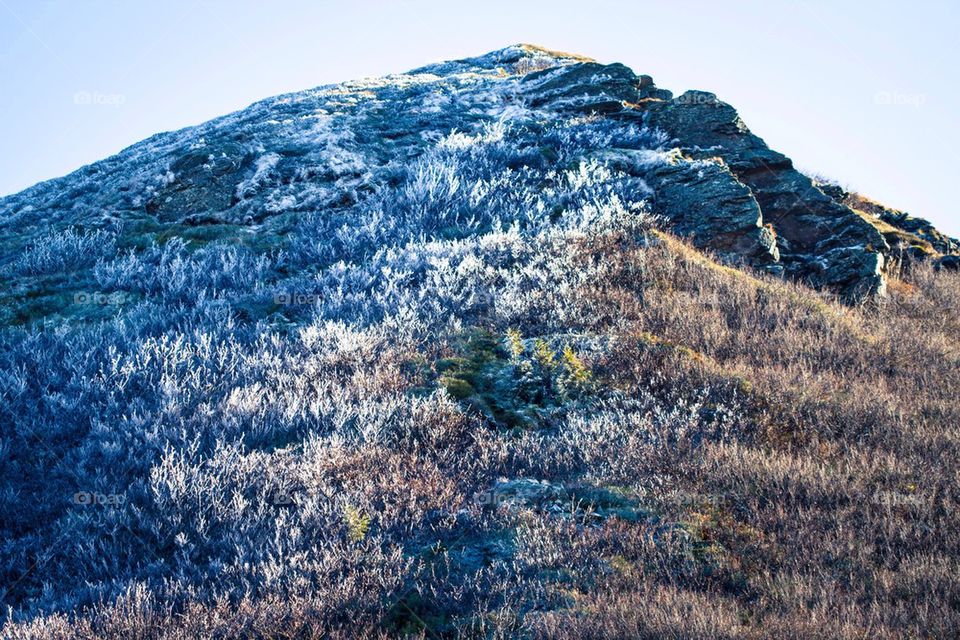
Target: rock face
(724, 187)
(819, 240)
(708, 203)
(324, 149)
(201, 182)
(728, 191)
(909, 238)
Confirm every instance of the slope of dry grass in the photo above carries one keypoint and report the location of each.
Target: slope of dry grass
(838, 512)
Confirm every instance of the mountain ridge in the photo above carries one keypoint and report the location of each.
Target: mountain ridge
(754, 208)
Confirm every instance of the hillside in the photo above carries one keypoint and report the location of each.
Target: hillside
(514, 346)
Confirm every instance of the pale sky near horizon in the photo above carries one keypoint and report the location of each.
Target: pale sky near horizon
(863, 92)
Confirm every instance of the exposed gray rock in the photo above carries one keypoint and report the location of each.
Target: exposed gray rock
(908, 236)
(816, 236)
(727, 190)
(708, 203)
(201, 182)
(860, 269)
(704, 201)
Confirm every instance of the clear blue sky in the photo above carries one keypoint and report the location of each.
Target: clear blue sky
(865, 92)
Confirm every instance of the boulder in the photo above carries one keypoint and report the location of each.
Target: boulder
(706, 202)
(202, 181)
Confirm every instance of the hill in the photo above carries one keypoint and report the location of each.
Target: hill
(514, 346)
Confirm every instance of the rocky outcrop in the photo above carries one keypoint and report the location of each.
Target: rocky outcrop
(590, 87)
(201, 182)
(723, 186)
(819, 240)
(705, 202)
(910, 239)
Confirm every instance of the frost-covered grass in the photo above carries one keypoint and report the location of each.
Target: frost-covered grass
(213, 439)
(65, 251)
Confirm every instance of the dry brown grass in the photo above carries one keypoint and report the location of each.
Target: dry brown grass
(847, 487)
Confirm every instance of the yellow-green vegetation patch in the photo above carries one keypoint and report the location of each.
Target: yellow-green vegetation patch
(515, 382)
